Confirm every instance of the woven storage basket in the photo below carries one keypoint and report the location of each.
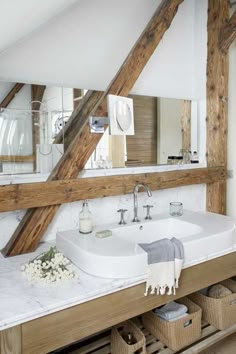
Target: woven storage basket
(119, 345)
(176, 334)
(221, 313)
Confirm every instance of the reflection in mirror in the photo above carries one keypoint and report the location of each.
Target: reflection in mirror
(165, 132)
(27, 134)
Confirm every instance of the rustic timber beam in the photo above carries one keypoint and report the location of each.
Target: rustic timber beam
(22, 196)
(217, 97)
(35, 222)
(228, 33)
(11, 94)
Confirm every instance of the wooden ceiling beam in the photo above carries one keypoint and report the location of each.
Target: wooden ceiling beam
(228, 33)
(35, 222)
(22, 196)
(11, 94)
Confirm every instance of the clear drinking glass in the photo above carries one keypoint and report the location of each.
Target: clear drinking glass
(176, 208)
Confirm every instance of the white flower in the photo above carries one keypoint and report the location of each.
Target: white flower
(48, 267)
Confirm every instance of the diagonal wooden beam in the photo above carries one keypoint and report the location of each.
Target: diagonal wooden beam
(217, 103)
(35, 222)
(228, 33)
(11, 94)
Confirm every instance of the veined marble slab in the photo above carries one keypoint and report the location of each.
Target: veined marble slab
(22, 300)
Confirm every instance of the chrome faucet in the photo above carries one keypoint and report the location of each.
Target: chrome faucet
(135, 191)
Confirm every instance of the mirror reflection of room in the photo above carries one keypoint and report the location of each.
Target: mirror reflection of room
(165, 131)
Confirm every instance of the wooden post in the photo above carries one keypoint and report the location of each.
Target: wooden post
(217, 102)
(34, 224)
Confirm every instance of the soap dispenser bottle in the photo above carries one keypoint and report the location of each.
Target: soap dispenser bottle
(85, 219)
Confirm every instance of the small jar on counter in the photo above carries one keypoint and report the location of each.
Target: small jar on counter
(85, 220)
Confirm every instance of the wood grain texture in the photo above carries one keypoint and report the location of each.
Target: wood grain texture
(80, 142)
(11, 94)
(228, 33)
(217, 102)
(16, 158)
(22, 196)
(61, 328)
(10, 341)
(186, 124)
(117, 150)
(142, 146)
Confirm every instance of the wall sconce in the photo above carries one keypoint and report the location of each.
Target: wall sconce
(120, 117)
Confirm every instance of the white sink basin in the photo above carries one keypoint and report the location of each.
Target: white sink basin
(204, 236)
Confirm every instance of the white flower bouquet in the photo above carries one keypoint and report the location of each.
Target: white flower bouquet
(50, 266)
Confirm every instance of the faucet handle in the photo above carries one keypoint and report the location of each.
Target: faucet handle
(122, 213)
(148, 207)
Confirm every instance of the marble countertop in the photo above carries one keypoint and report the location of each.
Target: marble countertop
(22, 300)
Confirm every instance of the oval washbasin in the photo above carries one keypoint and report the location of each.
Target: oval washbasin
(204, 236)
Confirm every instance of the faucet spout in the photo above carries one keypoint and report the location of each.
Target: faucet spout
(135, 192)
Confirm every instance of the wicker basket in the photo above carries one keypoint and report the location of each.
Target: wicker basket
(120, 346)
(221, 313)
(176, 334)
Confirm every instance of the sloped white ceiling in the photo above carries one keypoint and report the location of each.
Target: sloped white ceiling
(19, 18)
(85, 46)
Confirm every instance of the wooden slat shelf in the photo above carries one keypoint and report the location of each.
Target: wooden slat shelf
(100, 344)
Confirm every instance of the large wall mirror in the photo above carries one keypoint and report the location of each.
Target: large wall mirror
(166, 132)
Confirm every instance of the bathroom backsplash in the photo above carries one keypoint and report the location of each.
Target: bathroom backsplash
(104, 210)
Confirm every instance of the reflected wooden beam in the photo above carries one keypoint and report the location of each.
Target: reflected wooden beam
(22, 196)
(228, 33)
(16, 158)
(35, 222)
(77, 97)
(217, 102)
(11, 94)
(117, 150)
(186, 124)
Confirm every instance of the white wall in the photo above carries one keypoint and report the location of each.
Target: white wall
(200, 49)
(18, 21)
(85, 46)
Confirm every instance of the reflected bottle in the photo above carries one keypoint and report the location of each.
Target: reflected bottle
(85, 219)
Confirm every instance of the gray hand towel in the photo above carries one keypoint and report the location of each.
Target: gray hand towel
(165, 261)
(161, 266)
(171, 311)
